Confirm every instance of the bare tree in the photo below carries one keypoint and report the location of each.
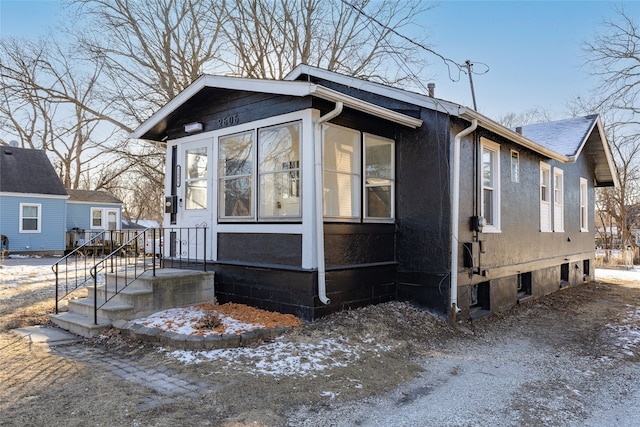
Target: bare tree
(47, 103)
(270, 38)
(613, 56)
(528, 117)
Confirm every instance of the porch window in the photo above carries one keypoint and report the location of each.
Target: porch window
(584, 212)
(491, 185)
(30, 218)
(379, 177)
(235, 169)
(348, 155)
(196, 178)
(545, 197)
(279, 171)
(558, 200)
(341, 172)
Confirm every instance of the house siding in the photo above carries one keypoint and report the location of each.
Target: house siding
(51, 237)
(79, 214)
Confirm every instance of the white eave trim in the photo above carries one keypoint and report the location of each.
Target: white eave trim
(497, 128)
(34, 195)
(281, 87)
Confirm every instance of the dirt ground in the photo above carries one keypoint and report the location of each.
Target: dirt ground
(567, 359)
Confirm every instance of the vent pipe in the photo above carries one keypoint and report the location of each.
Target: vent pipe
(519, 130)
(431, 87)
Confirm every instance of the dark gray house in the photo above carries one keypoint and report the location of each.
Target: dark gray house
(324, 192)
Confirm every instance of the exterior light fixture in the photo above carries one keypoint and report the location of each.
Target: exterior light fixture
(193, 127)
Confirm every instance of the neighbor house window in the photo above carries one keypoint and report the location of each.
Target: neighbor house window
(358, 171)
(558, 200)
(378, 177)
(196, 178)
(30, 217)
(515, 166)
(545, 197)
(584, 212)
(96, 218)
(277, 150)
(490, 185)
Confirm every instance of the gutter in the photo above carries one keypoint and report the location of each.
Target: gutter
(455, 213)
(322, 285)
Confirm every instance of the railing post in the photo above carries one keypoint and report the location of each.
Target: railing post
(56, 273)
(204, 251)
(153, 252)
(95, 295)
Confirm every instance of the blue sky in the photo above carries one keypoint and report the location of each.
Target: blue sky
(533, 48)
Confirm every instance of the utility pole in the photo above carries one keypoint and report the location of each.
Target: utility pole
(473, 94)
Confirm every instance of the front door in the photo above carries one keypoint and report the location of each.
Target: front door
(195, 204)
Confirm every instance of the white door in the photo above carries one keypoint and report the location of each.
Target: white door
(195, 202)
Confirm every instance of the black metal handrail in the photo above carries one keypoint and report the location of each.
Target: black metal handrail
(79, 272)
(182, 241)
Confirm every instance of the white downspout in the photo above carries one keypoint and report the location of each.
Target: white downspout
(322, 289)
(455, 213)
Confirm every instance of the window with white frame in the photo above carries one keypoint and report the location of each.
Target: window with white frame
(378, 177)
(545, 197)
(96, 217)
(196, 178)
(277, 149)
(279, 171)
(105, 219)
(358, 171)
(30, 217)
(558, 200)
(490, 197)
(584, 212)
(515, 166)
(341, 172)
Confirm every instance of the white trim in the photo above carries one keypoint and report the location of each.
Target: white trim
(494, 148)
(279, 87)
(558, 202)
(38, 230)
(79, 202)
(34, 195)
(546, 220)
(584, 203)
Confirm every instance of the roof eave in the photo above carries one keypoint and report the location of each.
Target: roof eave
(503, 131)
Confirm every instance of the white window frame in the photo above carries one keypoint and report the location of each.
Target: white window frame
(38, 206)
(494, 149)
(199, 179)
(515, 163)
(377, 140)
(257, 212)
(584, 205)
(545, 198)
(102, 219)
(558, 200)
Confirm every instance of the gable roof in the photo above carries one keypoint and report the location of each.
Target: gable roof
(23, 170)
(153, 127)
(92, 196)
(575, 136)
(306, 80)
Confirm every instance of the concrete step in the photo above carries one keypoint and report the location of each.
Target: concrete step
(112, 310)
(79, 325)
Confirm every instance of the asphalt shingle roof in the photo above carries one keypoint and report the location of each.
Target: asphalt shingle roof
(562, 136)
(24, 170)
(94, 196)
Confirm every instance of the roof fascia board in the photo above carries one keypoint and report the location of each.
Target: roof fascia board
(95, 204)
(292, 88)
(497, 128)
(377, 88)
(606, 148)
(34, 195)
(366, 107)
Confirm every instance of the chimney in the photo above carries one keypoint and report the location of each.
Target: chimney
(519, 130)
(432, 89)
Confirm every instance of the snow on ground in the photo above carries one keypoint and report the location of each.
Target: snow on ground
(280, 357)
(184, 321)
